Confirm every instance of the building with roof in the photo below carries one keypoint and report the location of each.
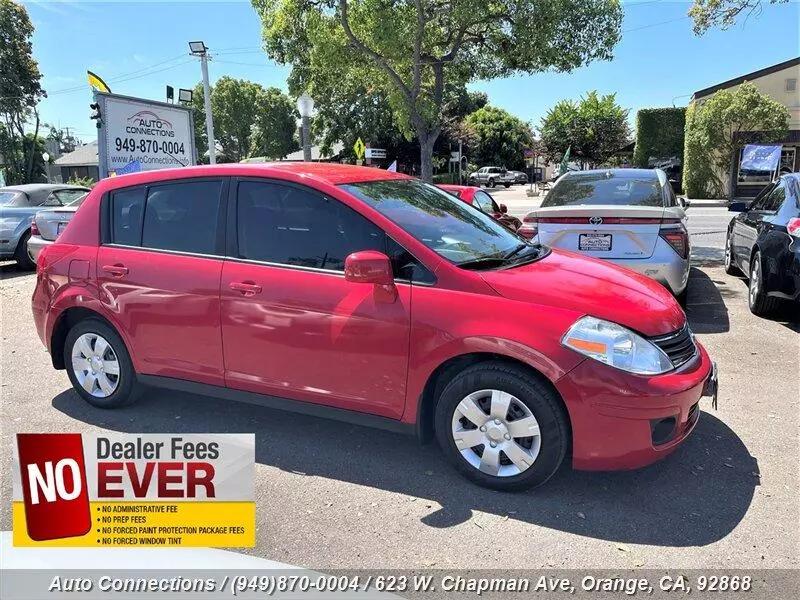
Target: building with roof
(80, 164)
(780, 82)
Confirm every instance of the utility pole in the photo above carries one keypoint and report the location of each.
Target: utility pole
(199, 49)
(460, 156)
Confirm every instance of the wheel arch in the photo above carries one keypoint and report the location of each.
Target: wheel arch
(66, 320)
(445, 372)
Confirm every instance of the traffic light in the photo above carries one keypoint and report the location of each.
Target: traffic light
(95, 106)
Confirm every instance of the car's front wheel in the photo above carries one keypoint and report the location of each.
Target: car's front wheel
(23, 256)
(760, 303)
(99, 365)
(502, 426)
(490, 183)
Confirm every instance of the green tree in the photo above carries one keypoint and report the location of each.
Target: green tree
(20, 91)
(719, 128)
(249, 120)
(723, 13)
(659, 134)
(593, 129)
(499, 138)
(414, 51)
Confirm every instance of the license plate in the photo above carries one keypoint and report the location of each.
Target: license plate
(61, 227)
(594, 242)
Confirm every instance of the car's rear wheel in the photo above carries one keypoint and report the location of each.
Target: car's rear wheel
(99, 365)
(730, 262)
(490, 183)
(760, 303)
(23, 256)
(502, 426)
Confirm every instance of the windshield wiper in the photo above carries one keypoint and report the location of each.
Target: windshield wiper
(515, 251)
(486, 261)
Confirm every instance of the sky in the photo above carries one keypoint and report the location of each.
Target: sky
(140, 47)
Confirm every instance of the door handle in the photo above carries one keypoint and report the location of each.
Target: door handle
(247, 288)
(116, 270)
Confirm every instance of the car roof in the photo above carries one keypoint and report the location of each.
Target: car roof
(620, 173)
(330, 173)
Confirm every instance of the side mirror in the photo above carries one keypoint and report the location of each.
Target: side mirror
(738, 206)
(368, 266)
(503, 208)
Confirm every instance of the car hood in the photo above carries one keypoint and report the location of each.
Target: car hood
(591, 287)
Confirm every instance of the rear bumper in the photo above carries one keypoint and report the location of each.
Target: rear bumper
(622, 421)
(35, 245)
(665, 266)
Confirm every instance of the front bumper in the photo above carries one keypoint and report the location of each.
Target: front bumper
(622, 421)
(35, 245)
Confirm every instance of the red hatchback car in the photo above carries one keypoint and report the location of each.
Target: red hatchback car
(371, 297)
(483, 202)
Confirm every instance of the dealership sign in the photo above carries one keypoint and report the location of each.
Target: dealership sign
(115, 489)
(151, 135)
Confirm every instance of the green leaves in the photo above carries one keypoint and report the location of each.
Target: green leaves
(595, 128)
(717, 127)
(499, 138)
(659, 134)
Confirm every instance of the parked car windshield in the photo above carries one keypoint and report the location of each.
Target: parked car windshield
(455, 230)
(12, 199)
(601, 188)
(78, 201)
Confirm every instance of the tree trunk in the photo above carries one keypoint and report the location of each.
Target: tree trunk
(426, 142)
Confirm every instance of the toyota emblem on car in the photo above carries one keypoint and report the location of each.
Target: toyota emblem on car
(596, 220)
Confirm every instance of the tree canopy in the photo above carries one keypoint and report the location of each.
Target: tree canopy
(593, 129)
(413, 51)
(499, 138)
(723, 13)
(20, 91)
(249, 120)
(719, 127)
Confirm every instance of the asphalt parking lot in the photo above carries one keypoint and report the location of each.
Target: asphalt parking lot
(337, 495)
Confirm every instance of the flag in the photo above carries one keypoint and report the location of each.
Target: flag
(97, 83)
(392, 167)
(564, 161)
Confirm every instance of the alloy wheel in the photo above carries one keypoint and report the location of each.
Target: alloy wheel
(728, 257)
(755, 280)
(496, 433)
(95, 365)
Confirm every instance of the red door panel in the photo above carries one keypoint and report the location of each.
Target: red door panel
(169, 304)
(312, 336)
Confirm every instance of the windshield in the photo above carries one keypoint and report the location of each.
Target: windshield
(453, 229)
(605, 188)
(78, 201)
(12, 199)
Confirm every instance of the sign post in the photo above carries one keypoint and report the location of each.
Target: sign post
(142, 135)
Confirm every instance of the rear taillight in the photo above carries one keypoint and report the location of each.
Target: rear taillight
(677, 237)
(34, 229)
(529, 228)
(793, 227)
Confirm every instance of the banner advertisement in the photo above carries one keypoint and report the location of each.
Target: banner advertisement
(761, 158)
(133, 490)
(143, 135)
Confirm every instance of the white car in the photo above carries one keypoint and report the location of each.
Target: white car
(630, 217)
(48, 224)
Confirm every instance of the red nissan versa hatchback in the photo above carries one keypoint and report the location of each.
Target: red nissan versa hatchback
(371, 297)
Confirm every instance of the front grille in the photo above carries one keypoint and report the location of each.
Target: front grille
(678, 346)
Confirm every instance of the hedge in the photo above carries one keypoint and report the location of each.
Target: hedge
(659, 134)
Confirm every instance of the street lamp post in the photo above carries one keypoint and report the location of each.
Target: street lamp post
(46, 159)
(305, 104)
(200, 49)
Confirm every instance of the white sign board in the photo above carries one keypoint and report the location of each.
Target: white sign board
(150, 135)
(375, 152)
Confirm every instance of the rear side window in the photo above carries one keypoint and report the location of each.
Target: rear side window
(599, 188)
(293, 226)
(127, 209)
(183, 217)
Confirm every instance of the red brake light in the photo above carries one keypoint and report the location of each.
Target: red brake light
(678, 238)
(793, 227)
(34, 228)
(529, 228)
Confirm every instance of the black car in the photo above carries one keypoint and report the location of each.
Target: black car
(764, 243)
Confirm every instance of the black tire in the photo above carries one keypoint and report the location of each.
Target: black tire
(127, 387)
(760, 303)
(683, 296)
(730, 258)
(507, 185)
(24, 261)
(490, 183)
(538, 398)
(472, 182)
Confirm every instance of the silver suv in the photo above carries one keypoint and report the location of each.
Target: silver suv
(491, 176)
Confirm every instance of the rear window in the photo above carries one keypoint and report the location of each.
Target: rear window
(595, 189)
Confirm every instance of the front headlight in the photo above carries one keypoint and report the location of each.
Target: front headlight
(617, 346)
